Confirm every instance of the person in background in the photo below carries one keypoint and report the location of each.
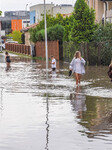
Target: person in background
(53, 63)
(8, 60)
(110, 71)
(77, 66)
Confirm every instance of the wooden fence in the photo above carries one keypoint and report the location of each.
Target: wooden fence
(39, 49)
(18, 48)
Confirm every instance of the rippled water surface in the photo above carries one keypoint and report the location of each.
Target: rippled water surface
(36, 114)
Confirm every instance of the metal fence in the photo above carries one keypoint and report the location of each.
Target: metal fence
(95, 53)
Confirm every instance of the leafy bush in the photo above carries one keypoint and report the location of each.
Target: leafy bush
(53, 33)
(16, 36)
(56, 33)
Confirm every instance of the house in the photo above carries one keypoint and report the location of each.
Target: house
(103, 9)
(27, 34)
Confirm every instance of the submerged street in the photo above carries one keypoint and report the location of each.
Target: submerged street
(36, 114)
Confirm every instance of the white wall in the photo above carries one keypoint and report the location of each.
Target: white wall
(2, 32)
(51, 9)
(25, 24)
(62, 10)
(39, 9)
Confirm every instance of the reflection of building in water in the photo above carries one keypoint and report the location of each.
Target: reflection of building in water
(98, 117)
(78, 101)
(103, 119)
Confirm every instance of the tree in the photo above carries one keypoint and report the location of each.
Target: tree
(16, 36)
(37, 34)
(103, 33)
(83, 24)
(0, 12)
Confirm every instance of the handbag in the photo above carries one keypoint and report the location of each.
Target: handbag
(70, 72)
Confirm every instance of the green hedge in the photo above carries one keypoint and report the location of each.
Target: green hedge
(53, 33)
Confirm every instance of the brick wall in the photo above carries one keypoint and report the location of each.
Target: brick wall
(53, 49)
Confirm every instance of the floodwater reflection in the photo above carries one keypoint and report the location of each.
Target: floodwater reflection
(78, 101)
(1, 99)
(47, 120)
(54, 114)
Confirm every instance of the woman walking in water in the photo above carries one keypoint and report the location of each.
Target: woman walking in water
(77, 66)
(8, 60)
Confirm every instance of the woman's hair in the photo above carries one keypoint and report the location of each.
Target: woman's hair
(76, 55)
(6, 53)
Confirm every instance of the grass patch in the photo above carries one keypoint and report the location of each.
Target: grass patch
(26, 56)
(18, 54)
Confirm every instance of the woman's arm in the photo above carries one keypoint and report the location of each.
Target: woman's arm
(83, 61)
(71, 64)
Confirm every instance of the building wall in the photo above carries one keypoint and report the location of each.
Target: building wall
(2, 32)
(37, 11)
(32, 16)
(25, 23)
(99, 9)
(50, 8)
(16, 25)
(27, 38)
(53, 49)
(110, 5)
(62, 10)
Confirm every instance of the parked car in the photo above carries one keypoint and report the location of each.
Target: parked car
(12, 42)
(3, 45)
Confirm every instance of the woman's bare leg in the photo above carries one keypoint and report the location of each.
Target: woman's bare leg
(79, 78)
(76, 78)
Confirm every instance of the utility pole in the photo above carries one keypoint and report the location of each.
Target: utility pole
(26, 14)
(0, 38)
(46, 48)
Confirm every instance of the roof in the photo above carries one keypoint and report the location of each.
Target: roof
(29, 27)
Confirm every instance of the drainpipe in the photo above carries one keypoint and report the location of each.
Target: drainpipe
(105, 9)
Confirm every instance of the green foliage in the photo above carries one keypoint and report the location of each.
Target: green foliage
(106, 53)
(53, 24)
(0, 12)
(83, 24)
(40, 35)
(16, 36)
(69, 49)
(103, 33)
(54, 33)
(68, 23)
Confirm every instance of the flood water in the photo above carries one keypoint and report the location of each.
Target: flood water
(36, 114)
